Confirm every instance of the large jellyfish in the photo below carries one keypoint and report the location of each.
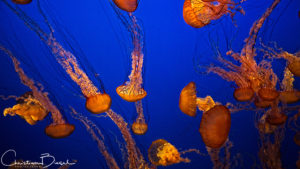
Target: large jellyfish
(140, 126)
(132, 90)
(96, 102)
(59, 128)
(127, 5)
(199, 13)
(163, 153)
(97, 135)
(28, 108)
(216, 120)
(260, 77)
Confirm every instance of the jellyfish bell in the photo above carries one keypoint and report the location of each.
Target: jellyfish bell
(127, 5)
(98, 103)
(289, 97)
(161, 152)
(21, 2)
(215, 125)
(188, 100)
(268, 94)
(297, 138)
(260, 103)
(243, 94)
(139, 128)
(294, 67)
(130, 94)
(59, 130)
(276, 118)
(266, 128)
(189, 15)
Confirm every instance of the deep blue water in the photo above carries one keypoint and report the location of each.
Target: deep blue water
(173, 51)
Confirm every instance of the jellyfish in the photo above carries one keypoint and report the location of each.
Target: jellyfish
(140, 126)
(199, 13)
(21, 2)
(28, 108)
(132, 90)
(288, 94)
(59, 128)
(275, 116)
(293, 62)
(163, 153)
(127, 5)
(97, 135)
(188, 99)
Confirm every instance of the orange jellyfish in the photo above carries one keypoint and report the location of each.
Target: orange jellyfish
(264, 127)
(199, 13)
(127, 5)
(293, 62)
(275, 116)
(22, 2)
(140, 126)
(288, 94)
(28, 108)
(96, 102)
(163, 153)
(132, 90)
(59, 127)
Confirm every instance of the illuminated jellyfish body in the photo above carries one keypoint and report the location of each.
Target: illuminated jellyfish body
(264, 126)
(140, 126)
(28, 108)
(59, 127)
(260, 77)
(163, 153)
(132, 90)
(199, 13)
(96, 102)
(293, 62)
(275, 116)
(216, 120)
(127, 5)
(288, 94)
(22, 2)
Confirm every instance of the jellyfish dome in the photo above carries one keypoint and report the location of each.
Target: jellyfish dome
(215, 125)
(188, 99)
(243, 94)
(276, 118)
(127, 5)
(294, 67)
(59, 130)
(130, 93)
(268, 94)
(289, 97)
(98, 103)
(139, 128)
(21, 2)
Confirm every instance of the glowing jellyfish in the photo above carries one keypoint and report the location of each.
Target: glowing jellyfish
(199, 13)
(163, 153)
(28, 108)
(275, 116)
(132, 90)
(260, 103)
(59, 127)
(140, 126)
(293, 62)
(127, 5)
(22, 2)
(288, 94)
(188, 100)
(215, 125)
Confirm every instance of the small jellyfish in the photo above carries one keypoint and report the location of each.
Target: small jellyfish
(215, 125)
(243, 94)
(29, 108)
(260, 103)
(21, 2)
(127, 5)
(98, 103)
(59, 130)
(199, 13)
(188, 100)
(163, 153)
(140, 126)
(288, 94)
(275, 116)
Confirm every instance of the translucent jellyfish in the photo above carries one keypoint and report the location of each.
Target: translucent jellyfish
(97, 135)
(59, 127)
(199, 13)
(288, 94)
(188, 101)
(22, 2)
(132, 90)
(28, 108)
(163, 153)
(140, 126)
(215, 125)
(127, 5)
(260, 77)
(275, 116)
(293, 62)
(264, 127)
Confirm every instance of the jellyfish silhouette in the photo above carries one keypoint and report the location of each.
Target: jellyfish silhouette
(199, 13)
(21, 2)
(59, 127)
(127, 5)
(28, 108)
